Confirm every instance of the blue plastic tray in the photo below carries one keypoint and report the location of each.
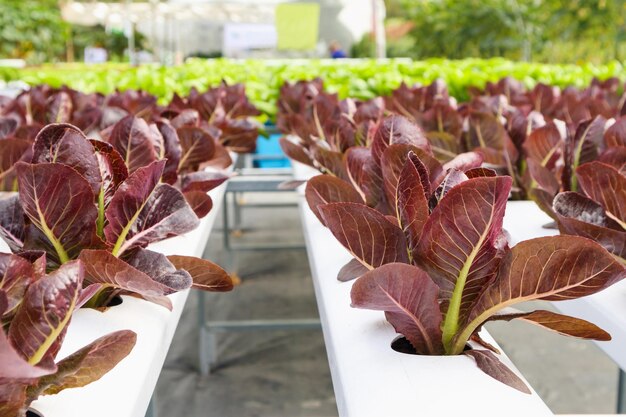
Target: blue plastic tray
(270, 146)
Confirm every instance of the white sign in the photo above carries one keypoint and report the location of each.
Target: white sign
(95, 55)
(241, 38)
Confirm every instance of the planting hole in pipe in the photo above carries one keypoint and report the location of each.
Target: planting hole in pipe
(115, 301)
(402, 345)
(33, 413)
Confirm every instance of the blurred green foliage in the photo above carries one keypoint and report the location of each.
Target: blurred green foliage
(362, 79)
(33, 30)
(541, 30)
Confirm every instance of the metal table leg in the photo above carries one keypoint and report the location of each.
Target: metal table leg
(203, 359)
(621, 393)
(237, 210)
(151, 411)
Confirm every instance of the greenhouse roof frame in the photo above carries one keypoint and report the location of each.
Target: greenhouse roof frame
(96, 12)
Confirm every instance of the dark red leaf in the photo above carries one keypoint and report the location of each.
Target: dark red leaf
(203, 181)
(206, 275)
(365, 174)
(16, 274)
(607, 186)
(461, 242)
(412, 202)
(133, 139)
(351, 270)
(65, 144)
(366, 233)
(489, 363)
(11, 151)
(172, 152)
(199, 201)
(160, 269)
(397, 130)
(324, 189)
(197, 147)
(295, 151)
(143, 211)
(12, 225)
(60, 204)
(40, 323)
(90, 363)
(409, 299)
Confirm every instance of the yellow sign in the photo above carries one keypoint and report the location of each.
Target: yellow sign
(297, 25)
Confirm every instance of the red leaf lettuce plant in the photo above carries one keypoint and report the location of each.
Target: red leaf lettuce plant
(598, 212)
(35, 311)
(77, 200)
(194, 161)
(439, 265)
(321, 128)
(554, 155)
(223, 111)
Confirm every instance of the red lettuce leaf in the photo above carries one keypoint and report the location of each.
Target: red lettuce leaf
(365, 174)
(133, 139)
(408, 297)
(11, 151)
(366, 233)
(489, 363)
(607, 186)
(412, 200)
(295, 151)
(202, 181)
(160, 269)
(16, 275)
(143, 211)
(12, 224)
(65, 144)
(199, 201)
(40, 323)
(197, 146)
(549, 268)
(351, 270)
(324, 189)
(544, 145)
(88, 364)
(558, 323)
(397, 130)
(116, 275)
(206, 275)
(172, 152)
(60, 204)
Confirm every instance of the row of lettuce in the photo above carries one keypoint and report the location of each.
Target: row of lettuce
(416, 185)
(101, 178)
(361, 79)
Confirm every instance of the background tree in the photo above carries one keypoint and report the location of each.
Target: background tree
(542, 30)
(34, 30)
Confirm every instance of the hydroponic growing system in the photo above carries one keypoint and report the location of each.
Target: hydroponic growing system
(426, 215)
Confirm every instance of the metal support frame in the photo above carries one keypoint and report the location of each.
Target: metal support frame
(264, 180)
(151, 411)
(210, 330)
(621, 392)
(236, 188)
